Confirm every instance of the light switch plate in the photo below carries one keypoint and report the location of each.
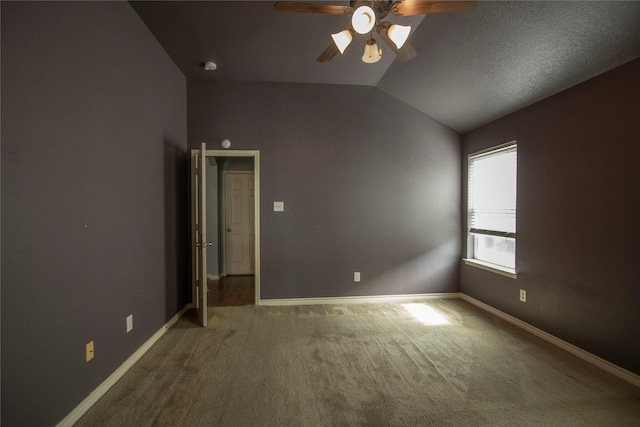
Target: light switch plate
(278, 206)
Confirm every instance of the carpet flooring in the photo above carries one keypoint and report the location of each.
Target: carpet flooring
(433, 363)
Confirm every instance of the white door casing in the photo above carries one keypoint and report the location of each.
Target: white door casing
(199, 300)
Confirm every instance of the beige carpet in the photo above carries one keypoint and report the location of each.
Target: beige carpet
(435, 363)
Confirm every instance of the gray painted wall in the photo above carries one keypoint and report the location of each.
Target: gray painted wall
(578, 209)
(94, 186)
(369, 185)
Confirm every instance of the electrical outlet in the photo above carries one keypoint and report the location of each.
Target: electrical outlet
(523, 295)
(356, 276)
(129, 323)
(89, 351)
(278, 206)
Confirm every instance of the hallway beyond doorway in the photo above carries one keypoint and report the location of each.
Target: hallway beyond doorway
(231, 291)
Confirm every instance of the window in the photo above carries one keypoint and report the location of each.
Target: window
(491, 239)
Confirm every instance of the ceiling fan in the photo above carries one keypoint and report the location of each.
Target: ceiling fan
(368, 16)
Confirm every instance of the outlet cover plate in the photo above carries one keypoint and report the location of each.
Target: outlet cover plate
(523, 295)
(89, 351)
(278, 206)
(129, 323)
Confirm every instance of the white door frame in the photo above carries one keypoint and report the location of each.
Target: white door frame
(255, 154)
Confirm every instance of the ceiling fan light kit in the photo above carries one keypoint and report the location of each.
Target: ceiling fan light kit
(342, 39)
(363, 20)
(399, 34)
(372, 53)
(367, 16)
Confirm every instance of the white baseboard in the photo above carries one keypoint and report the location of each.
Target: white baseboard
(96, 394)
(357, 300)
(605, 365)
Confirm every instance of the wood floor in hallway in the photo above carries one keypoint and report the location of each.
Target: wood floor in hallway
(231, 291)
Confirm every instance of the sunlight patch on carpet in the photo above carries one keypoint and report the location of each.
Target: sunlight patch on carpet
(426, 314)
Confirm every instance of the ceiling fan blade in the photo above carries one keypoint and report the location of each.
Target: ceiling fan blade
(405, 53)
(328, 53)
(425, 7)
(289, 6)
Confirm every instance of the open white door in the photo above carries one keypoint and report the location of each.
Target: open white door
(199, 227)
(199, 231)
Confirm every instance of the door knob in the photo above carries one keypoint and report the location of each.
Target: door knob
(228, 229)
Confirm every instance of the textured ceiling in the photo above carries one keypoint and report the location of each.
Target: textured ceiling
(475, 67)
(472, 67)
(249, 40)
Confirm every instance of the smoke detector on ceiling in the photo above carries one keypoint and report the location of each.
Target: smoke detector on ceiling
(210, 66)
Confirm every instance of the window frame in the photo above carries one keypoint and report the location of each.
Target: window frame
(472, 233)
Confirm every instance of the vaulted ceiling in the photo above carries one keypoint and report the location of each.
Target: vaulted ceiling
(472, 67)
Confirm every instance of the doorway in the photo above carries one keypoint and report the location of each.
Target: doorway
(235, 285)
(207, 231)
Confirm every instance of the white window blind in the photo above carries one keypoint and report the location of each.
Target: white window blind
(492, 184)
(492, 192)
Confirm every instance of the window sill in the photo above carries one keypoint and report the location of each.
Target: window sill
(490, 267)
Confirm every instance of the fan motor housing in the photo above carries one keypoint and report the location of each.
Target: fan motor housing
(380, 7)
